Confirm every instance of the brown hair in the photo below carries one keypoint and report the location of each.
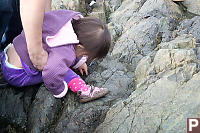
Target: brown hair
(93, 35)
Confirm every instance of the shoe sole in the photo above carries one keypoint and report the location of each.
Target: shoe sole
(93, 98)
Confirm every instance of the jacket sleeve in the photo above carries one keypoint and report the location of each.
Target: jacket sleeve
(80, 61)
(58, 63)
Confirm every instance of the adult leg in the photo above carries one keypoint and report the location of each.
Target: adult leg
(6, 10)
(14, 26)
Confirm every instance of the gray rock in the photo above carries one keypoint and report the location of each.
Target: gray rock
(44, 111)
(12, 108)
(15, 104)
(193, 6)
(82, 118)
(151, 71)
(112, 5)
(65, 4)
(167, 7)
(163, 107)
(184, 41)
(190, 26)
(162, 80)
(98, 10)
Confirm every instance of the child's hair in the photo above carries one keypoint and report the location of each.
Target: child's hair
(93, 35)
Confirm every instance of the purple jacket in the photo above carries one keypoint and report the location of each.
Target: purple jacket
(60, 58)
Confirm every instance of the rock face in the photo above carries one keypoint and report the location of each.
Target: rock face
(166, 78)
(152, 72)
(193, 6)
(66, 4)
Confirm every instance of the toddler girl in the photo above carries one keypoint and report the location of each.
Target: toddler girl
(70, 41)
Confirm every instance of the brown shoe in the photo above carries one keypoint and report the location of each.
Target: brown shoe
(94, 93)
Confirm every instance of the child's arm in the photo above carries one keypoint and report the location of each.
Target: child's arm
(59, 61)
(57, 76)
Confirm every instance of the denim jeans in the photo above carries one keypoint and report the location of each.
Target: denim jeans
(10, 22)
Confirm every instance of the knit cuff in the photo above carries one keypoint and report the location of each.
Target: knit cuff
(64, 92)
(80, 62)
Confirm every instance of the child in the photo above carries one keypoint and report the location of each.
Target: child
(69, 40)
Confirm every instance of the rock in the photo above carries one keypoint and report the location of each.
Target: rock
(164, 61)
(12, 109)
(81, 118)
(100, 15)
(142, 69)
(163, 107)
(190, 26)
(151, 71)
(15, 103)
(112, 5)
(44, 111)
(182, 42)
(193, 6)
(66, 4)
(126, 11)
(160, 105)
(167, 7)
(170, 59)
(98, 10)
(164, 79)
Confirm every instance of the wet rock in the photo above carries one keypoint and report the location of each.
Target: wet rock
(44, 111)
(11, 109)
(15, 103)
(82, 118)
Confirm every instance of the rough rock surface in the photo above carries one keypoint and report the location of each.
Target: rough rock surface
(65, 4)
(152, 72)
(166, 78)
(193, 6)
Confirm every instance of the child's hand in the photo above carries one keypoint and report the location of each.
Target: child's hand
(82, 68)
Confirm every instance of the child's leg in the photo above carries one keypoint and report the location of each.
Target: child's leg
(18, 76)
(86, 93)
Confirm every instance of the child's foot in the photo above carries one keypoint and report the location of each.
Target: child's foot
(92, 94)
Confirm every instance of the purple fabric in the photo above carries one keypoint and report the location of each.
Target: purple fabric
(28, 76)
(70, 75)
(53, 22)
(20, 77)
(58, 63)
(60, 58)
